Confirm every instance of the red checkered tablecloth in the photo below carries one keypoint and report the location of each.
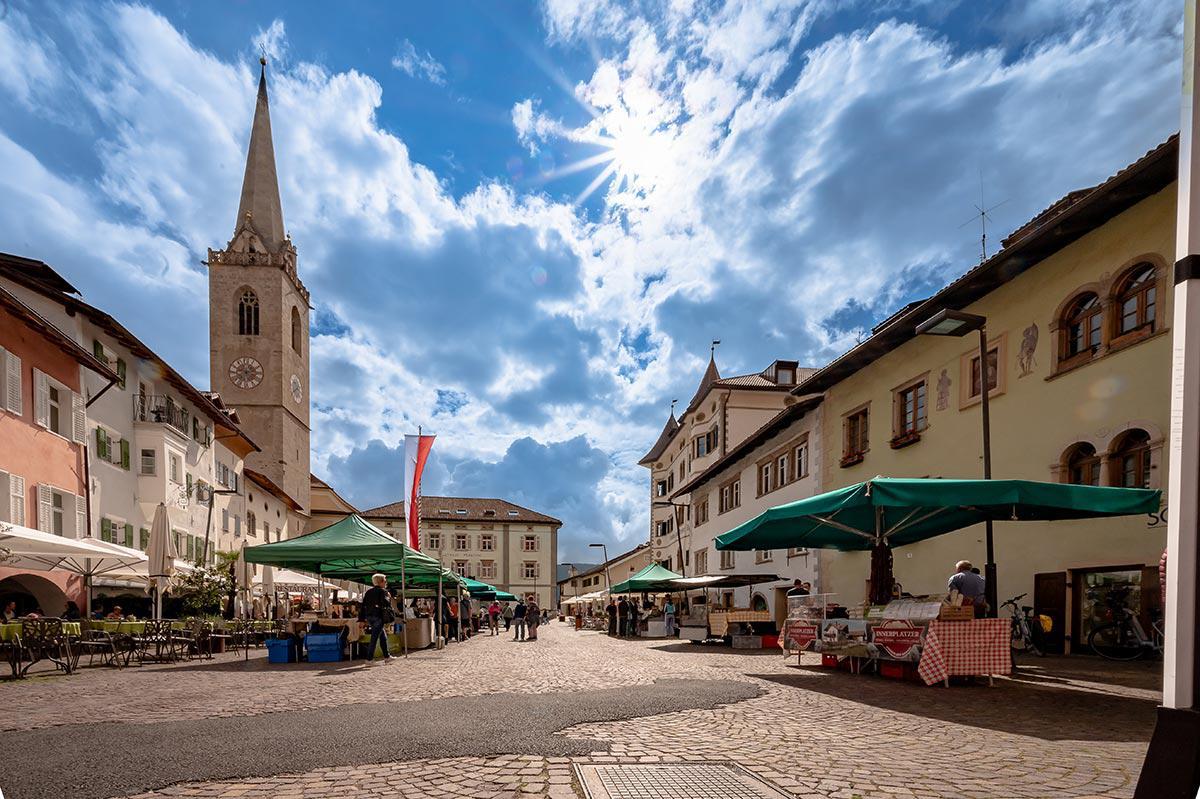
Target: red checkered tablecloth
(966, 648)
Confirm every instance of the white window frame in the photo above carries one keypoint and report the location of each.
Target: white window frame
(525, 570)
(487, 542)
(529, 543)
(487, 569)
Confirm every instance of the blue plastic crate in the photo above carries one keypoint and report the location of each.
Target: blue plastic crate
(281, 650)
(322, 639)
(324, 654)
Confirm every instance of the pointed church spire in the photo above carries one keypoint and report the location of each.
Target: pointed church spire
(260, 186)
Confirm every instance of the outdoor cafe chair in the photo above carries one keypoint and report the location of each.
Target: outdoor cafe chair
(44, 639)
(156, 642)
(98, 641)
(241, 636)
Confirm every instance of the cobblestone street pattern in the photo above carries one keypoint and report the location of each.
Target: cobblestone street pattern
(494, 718)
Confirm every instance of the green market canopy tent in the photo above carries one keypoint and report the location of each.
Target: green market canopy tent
(351, 548)
(893, 511)
(651, 578)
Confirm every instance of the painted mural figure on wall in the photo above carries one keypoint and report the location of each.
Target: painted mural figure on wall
(1029, 341)
(943, 390)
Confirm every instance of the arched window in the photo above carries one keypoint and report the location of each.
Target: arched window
(296, 329)
(1131, 460)
(758, 602)
(1136, 300)
(1082, 465)
(251, 523)
(248, 313)
(1081, 326)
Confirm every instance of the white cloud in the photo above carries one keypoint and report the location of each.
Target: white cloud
(272, 42)
(774, 199)
(418, 65)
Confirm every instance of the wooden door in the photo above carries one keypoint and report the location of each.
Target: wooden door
(1050, 599)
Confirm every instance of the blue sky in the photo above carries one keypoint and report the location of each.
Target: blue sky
(522, 223)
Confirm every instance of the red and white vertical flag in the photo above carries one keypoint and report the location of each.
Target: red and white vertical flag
(416, 452)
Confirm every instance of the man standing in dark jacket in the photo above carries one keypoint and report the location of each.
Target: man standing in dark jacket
(519, 620)
(376, 611)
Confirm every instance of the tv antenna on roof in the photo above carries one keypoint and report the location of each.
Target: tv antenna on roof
(982, 211)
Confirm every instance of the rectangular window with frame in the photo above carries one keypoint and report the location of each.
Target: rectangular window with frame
(529, 543)
(461, 541)
(460, 568)
(487, 542)
(762, 556)
(782, 472)
(174, 468)
(147, 463)
(433, 541)
(700, 512)
(728, 558)
(855, 434)
(993, 372)
(660, 488)
(701, 561)
(766, 483)
(730, 496)
(529, 570)
(910, 403)
(487, 569)
(800, 459)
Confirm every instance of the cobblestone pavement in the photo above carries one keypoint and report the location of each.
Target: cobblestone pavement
(1061, 728)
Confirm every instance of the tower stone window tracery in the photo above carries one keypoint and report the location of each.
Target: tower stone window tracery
(248, 314)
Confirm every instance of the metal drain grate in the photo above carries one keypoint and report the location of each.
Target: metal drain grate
(674, 781)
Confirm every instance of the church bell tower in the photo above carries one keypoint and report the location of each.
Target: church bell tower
(258, 322)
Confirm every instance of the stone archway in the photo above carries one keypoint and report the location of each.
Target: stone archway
(45, 591)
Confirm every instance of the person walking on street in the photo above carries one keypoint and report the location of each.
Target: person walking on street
(611, 610)
(623, 617)
(634, 614)
(376, 612)
(519, 620)
(533, 617)
(494, 617)
(507, 613)
(669, 617)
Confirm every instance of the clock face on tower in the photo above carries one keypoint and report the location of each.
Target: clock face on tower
(297, 389)
(245, 372)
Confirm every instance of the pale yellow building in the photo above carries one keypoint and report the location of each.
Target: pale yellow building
(721, 414)
(326, 505)
(511, 547)
(1078, 307)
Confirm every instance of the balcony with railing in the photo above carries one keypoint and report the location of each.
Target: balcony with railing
(161, 410)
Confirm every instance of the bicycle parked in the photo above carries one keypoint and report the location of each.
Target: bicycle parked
(1027, 632)
(1122, 636)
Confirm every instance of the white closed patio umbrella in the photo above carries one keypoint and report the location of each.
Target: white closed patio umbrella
(161, 553)
(243, 574)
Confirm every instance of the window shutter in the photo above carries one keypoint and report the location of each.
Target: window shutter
(12, 368)
(124, 454)
(98, 350)
(16, 493)
(143, 539)
(5, 498)
(189, 484)
(81, 524)
(41, 398)
(44, 500)
(122, 371)
(101, 449)
(106, 530)
(78, 418)
(128, 535)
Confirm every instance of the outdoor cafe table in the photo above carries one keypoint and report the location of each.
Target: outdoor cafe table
(980, 647)
(9, 632)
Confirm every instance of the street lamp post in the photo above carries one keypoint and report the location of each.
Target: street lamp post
(607, 577)
(948, 322)
(678, 535)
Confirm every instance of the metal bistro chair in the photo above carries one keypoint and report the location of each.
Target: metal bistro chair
(11, 650)
(44, 639)
(156, 642)
(241, 636)
(95, 640)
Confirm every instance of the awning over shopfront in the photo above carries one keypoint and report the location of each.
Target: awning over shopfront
(651, 578)
(723, 581)
(898, 511)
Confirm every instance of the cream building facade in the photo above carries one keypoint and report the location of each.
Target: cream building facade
(722, 413)
(772, 466)
(1078, 308)
(511, 547)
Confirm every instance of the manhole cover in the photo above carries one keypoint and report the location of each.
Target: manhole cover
(674, 781)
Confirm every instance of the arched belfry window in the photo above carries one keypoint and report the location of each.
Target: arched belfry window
(248, 313)
(296, 332)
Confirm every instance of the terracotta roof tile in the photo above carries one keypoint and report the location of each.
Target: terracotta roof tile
(471, 509)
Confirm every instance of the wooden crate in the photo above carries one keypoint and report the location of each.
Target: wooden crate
(956, 613)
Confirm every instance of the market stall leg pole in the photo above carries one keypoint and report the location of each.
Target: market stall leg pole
(440, 613)
(989, 568)
(1172, 766)
(403, 612)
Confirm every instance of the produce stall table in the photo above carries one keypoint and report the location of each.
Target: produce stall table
(353, 630)
(976, 648)
(418, 633)
(719, 621)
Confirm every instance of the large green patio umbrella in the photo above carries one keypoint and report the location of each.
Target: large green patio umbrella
(651, 578)
(348, 548)
(893, 511)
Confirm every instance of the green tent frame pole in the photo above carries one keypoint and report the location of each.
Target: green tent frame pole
(403, 612)
(440, 614)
